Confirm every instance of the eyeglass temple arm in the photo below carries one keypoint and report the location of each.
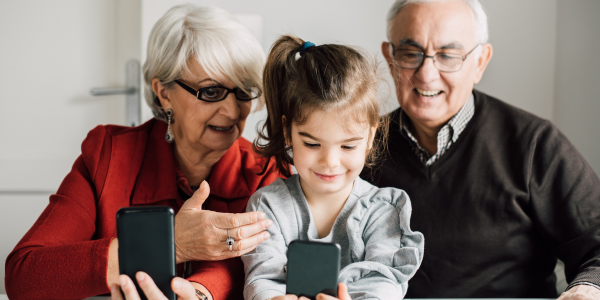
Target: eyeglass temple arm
(188, 88)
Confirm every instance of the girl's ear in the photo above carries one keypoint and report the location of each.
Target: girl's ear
(162, 94)
(286, 135)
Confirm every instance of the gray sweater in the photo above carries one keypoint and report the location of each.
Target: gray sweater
(379, 251)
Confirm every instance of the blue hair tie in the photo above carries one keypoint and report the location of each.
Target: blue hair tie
(305, 46)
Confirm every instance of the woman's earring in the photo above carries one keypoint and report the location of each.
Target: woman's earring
(169, 136)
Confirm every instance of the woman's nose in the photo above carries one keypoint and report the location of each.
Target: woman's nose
(230, 107)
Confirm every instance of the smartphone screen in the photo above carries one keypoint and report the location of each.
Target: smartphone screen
(146, 243)
(312, 268)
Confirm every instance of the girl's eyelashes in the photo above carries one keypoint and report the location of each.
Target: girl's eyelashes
(315, 146)
(311, 146)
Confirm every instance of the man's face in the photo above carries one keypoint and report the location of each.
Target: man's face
(431, 97)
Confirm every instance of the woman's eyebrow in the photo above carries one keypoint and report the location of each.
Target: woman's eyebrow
(208, 79)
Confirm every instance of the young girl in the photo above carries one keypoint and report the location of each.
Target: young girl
(323, 113)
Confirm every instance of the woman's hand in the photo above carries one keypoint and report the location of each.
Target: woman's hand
(201, 234)
(342, 295)
(182, 288)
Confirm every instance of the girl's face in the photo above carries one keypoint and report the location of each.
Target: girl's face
(327, 156)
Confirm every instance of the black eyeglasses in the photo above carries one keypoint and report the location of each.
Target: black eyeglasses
(444, 62)
(218, 93)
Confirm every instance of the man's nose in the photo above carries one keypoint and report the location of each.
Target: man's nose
(427, 72)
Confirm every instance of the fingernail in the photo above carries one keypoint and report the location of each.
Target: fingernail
(176, 283)
(203, 184)
(262, 216)
(266, 236)
(140, 276)
(122, 281)
(267, 223)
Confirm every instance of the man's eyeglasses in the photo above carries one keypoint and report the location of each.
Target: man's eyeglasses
(218, 93)
(444, 62)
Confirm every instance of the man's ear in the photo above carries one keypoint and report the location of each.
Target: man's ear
(162, 93)
(386, 50)
(483, 61)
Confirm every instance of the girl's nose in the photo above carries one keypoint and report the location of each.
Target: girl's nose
(329, 159)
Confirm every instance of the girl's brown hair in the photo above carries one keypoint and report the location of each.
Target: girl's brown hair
(328, 77)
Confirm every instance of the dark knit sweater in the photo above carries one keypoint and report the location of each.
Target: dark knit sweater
(498, 207)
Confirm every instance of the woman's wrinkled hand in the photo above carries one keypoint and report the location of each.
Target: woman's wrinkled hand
(201, 234)
(581, 292)
(182, 288)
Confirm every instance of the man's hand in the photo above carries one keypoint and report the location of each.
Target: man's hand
(581, 292)
(201, 234)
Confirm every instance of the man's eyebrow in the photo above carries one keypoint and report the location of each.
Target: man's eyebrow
(452, 45)
(352, 139)
(410, 42)
(413, 43)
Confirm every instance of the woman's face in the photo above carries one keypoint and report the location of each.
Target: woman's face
(206, 126)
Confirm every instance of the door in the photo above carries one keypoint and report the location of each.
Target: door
(52, 54)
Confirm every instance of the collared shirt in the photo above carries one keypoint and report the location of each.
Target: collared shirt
(446, 137)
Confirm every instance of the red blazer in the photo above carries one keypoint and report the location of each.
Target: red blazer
(65, 254)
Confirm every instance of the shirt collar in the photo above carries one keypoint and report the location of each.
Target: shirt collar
(447, 135)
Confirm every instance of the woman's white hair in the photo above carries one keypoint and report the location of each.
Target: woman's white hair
(479, 16)
(219, 43)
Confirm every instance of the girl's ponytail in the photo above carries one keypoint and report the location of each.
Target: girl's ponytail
(279, 71)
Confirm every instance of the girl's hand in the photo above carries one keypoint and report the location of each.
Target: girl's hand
(201, 234)
(182, 288)
(342, 293)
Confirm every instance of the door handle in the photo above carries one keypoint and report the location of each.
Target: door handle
(131, 91)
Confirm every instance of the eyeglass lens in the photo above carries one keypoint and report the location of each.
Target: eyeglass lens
(442, 61)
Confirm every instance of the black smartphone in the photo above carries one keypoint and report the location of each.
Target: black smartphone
(312, 268)
(147, 243)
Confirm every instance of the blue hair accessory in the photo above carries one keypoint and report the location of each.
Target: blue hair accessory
(305, 46)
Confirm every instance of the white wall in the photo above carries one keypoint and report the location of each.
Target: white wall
(577, 104)
(521, 72)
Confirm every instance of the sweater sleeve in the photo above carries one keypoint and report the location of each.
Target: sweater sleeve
(565, 200)
(264, 266)
(59, 258)
(392, 252)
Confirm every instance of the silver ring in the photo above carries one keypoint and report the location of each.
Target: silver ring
(229, 241)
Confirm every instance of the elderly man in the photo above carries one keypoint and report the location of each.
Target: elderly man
(499, 193)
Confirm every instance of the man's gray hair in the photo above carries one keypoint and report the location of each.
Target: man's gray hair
(214, 38)
(479, 16)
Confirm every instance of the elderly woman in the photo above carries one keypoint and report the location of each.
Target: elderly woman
(202, 72)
